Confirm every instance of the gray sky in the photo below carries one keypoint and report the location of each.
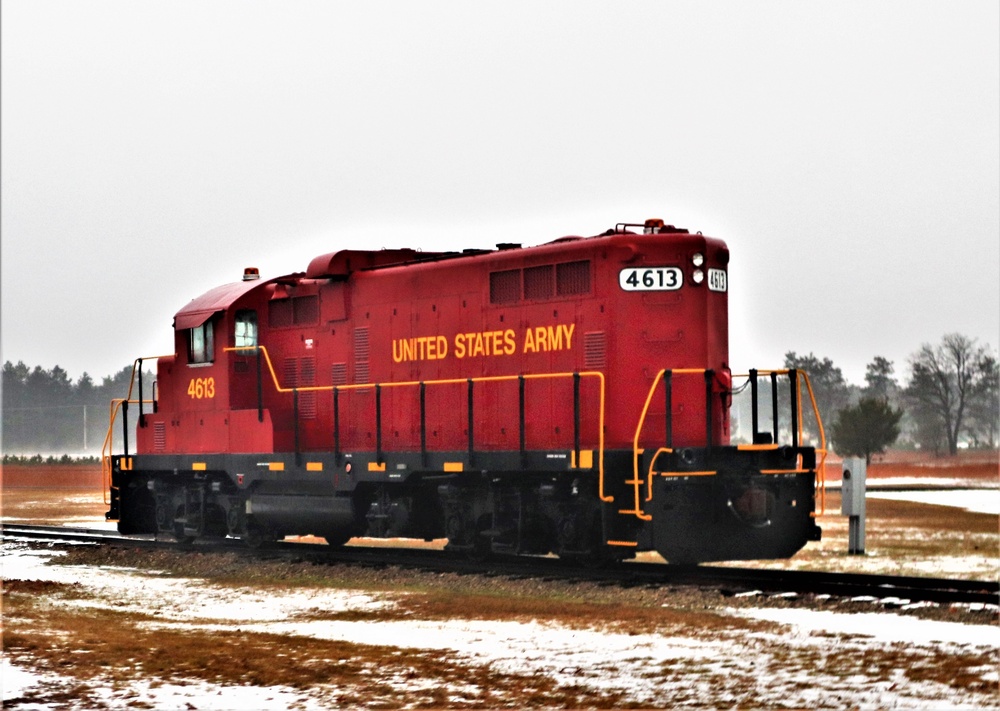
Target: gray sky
(848, 152)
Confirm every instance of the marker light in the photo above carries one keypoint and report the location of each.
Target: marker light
(697, 259)
(698, 276)
(652, 226)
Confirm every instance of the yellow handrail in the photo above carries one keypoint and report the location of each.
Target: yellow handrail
(116, 405)
(453, 381)
(638, 431)
(636, 482)
(821, 465)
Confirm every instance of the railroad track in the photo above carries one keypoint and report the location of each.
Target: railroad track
(897, 590)
(901, 589)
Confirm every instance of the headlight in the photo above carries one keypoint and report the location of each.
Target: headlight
(698, 276)
(697, 259)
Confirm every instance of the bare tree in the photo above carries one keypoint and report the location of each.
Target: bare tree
(946, 381)
(984, 410)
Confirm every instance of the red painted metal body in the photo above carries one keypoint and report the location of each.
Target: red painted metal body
(570, 398)
(402, 316)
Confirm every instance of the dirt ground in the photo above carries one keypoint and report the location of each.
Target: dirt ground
(970, 467)
(120, 629)
(902, 537)
(75, 476)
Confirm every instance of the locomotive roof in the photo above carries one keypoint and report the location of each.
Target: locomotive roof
(340, 264)
(211, 302)
(345, 261)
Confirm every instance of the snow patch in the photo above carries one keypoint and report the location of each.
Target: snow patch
(986, 501)
(881, 627)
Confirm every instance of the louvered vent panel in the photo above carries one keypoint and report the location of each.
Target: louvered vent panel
(538, 282)
(573, 278)
(338, 372)
(595, 350)
(505, 287)
(362, 353)
(307, 376)
(305, 309)
(290, 373)
(279, 313)
(160, 436)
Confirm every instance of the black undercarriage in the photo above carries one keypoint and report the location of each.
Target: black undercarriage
(752, 505)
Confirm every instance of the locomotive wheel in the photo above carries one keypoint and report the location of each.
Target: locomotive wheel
(257, 537)
(482, 545)
(337, 538)
(481, 550)
(179, 534)
(596, 559)
(582, 534)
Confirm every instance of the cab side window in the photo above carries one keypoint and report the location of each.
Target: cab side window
(246, 329)
(201, 344)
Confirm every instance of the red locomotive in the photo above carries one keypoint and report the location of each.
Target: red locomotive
(571, 398)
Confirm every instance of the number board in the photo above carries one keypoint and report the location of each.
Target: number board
(651, 278)
(717, 280)
(201, 388)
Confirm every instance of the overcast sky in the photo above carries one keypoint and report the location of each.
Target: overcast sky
(848, 152)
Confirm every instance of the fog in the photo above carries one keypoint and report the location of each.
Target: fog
(849, 153)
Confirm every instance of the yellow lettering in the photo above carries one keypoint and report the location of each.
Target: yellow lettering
(482, 343)
(424, 348)
(529, 342)
(541, 339)
(509, 344)
(201, 388)
(568, 330)
(555, 338)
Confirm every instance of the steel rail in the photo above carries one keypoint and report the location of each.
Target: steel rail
(729, 580)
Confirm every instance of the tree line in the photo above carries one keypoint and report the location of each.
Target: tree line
(44, 410)
(950, 398)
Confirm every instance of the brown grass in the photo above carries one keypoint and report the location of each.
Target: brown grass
(57, 627)
(99, 648)
(47, 506)
(50, 475)
(902, 537)
(113, 648)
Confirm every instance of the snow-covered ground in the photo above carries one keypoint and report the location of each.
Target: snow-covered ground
(802, 657)
(985, 501)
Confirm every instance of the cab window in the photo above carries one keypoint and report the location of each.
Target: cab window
(246, 329)
(201, 344)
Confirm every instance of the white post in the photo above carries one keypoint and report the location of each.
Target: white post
(852, 492)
